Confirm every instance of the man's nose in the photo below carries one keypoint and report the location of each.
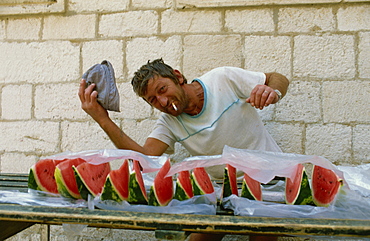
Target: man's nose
(162, 100)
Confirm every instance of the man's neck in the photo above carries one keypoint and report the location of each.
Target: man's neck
(196, 97)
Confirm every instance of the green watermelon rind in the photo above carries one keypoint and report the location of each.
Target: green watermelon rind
(32, 182)
(82, 187)
(152, 199)
(180, 193)
(62, 187)
(246, 193)
(196, 189)
(109, 192)
(226, 188)
(135, 194)
(305, 194)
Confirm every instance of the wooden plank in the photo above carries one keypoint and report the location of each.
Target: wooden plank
(192, 223)
(14, 181)
(21, 177)
(9, 228)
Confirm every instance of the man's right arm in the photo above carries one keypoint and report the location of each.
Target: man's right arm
(89, 103)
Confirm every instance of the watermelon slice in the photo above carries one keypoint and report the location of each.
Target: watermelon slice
(230, 186)
(297, 189)
(184, 189)
(90, 178)
(41, 176)
(325, 186)
(65, 178)
(137, 192)
(116, 184)
(201, 181)
(161, 193)
(251, 188)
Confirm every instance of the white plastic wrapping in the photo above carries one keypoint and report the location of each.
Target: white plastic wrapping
(262, 166)
(204, 204)
(38, 198)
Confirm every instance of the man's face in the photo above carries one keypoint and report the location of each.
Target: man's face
(163, 93)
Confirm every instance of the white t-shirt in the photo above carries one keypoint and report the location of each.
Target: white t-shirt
(226, 118)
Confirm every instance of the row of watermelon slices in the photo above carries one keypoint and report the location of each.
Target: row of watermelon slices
(325, 185)
(76, 178)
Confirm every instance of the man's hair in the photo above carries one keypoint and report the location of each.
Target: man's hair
(153, 69)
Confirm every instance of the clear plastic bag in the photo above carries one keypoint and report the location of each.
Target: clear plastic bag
(261, 166)
(352, 202)
(38, 198)
(203, 204)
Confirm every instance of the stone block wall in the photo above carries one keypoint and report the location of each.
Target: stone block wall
(323, 47)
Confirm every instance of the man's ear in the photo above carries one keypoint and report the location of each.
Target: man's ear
(179, 76)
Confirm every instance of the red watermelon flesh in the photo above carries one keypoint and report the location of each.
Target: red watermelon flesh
(291, 185)
(201, 181)
(42, 176)
(230, 185)
(297, 189)
(137, 170)
(325, 185)
(251, 188)
(184, 189)
(120, 179)
(65, 178)
(161, 192)
(91, 178)
(137, 192)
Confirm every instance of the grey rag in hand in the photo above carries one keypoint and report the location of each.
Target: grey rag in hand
(102, 75)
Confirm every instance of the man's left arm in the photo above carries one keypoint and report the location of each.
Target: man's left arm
(275, 88)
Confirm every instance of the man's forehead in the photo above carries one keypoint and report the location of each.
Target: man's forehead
(156, 80)
(152, 86)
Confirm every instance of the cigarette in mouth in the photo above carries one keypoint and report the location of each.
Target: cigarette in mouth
(174, 106)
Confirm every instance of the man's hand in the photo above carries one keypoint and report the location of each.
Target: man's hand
(88, 97)
(262, 96)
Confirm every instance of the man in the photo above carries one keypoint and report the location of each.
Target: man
(217, 109)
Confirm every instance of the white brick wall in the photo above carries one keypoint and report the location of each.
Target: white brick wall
(24, 29)
(306, 20)
(17, 96)
(323, 49)
(69, 27)
(133, 23)
(363, 55)
(268, 54)
(250, 21)
(324, 56)
(39, 62)
(345, 101)
(190, 22)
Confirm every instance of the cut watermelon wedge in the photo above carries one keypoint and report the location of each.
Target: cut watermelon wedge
(325, 186)
(116, 184)
(297, 189)
(184, 189)
(201, 182)
(90, 178)
(161, 193)
(137, 192)
(41, 176)
(230, 185)
(251, 188)
(65, 178)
